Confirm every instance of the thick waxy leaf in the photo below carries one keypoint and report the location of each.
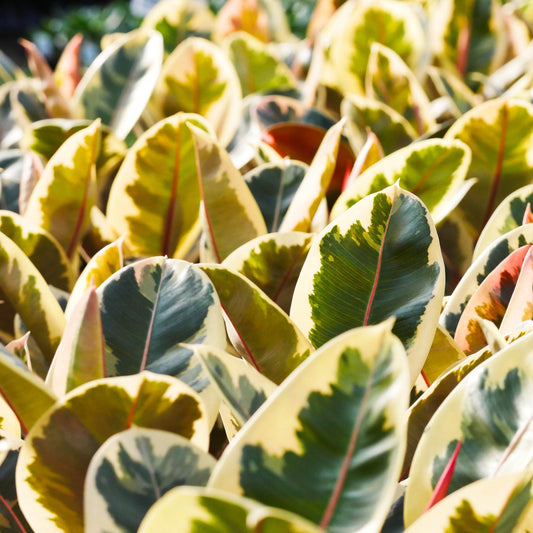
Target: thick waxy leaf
(490, 412)
(362, 377)
(231, 215)
(41, 248)
(80, 356)
(488, 260)
(120, 81)
(149, 310)
(155, 197)
(197, 509)
(434, 170)
(273, 262)
(199, 78)
(493, 505)
(258, 69)
(315, 184)
(103, 264)
(363, 114)
(67, 73)
(443, 353)
(54, 459)
(176, 20)
(26, 394)
(273, 186)
(499, 133)
(29, 295)
(391, 81)
(510, 214)
(135, 468)
(491, 299)
(357, 25)
(243, 388)
(247, 309)
(62, 199)
(379, 259)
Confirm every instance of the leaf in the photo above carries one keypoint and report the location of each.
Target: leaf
(499, 133)
(135, 468)
(491, 505)
(490, 300)
(243, 388)
(67, 73)
(80, 356)
(434, 170)
(273, 186)
(150, 309)
(101, 266)
(155, 197)
(55, 457)
(247, 310)
(362, 377)
(177, 20)
(488, 260)
(231, 215)
(507, 216)
(197, 509)
(63, 197)
(363, 114)
(120, 81)
(377, 260)
(29, 295)
(25, 393)
(315, 184)
(489, 411)
(259, 70)
(389, 80)
(272, 262)
(199, 78)
(356, 26)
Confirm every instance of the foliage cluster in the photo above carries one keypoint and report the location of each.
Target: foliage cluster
(244, 291)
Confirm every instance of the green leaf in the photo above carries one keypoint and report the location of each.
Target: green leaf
(150, 309)
(155, 197)
(486, 506)
(247, 309)
(377, 260)
(80, 356)
(197, 510)
(135, 468)
(242, 387)
(391, 81)
(434, 170)
(363, 114)
(490, 412)
(26, 394)
(507, 216)
(62, 199)
(119, 82)
(315, 184)
(259, 70)
(499, 133)
(29, 295)
(273, 186)
(231, 216)
(320, 466)
(56, 454)
(273, 262)
(199, 78)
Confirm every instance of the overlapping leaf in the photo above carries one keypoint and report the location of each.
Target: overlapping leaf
(55, 457)
(377, 260)
(135, 468)
(361, 376)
